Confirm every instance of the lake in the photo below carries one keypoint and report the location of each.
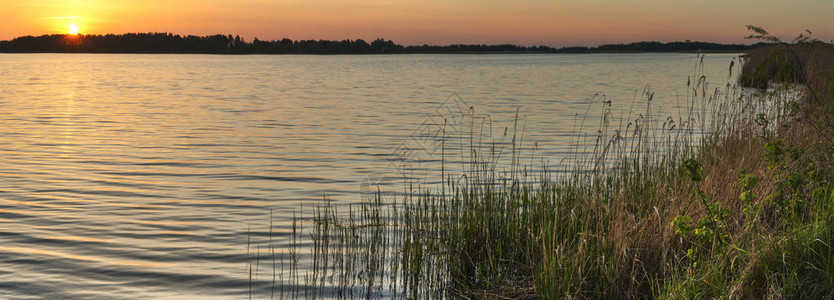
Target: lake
(145, 176)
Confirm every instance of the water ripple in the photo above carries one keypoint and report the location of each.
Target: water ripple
(154, 176)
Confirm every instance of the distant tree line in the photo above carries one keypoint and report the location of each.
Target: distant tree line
(228, 44)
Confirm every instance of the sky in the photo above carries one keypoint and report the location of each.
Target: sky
(555, 23)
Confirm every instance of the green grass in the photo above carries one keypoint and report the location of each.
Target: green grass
(734, 199)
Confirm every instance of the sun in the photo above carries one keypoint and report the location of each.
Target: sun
(73, 29)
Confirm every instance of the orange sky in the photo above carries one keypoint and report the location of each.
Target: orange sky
(526, 22)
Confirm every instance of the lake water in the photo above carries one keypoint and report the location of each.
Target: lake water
(141, 176)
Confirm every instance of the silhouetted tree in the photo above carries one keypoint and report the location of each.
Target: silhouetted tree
(228, 44)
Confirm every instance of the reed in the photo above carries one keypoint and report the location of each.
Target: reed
(732, 198)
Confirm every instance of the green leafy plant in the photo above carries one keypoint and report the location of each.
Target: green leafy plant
(691, 168)
(710, 231)
(751, 209)
(774, 153)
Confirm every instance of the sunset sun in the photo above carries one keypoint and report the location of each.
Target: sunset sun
(73, 29)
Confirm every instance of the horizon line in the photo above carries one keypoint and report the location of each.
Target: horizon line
(384, 39)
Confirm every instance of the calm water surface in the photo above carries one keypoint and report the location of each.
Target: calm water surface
(141, 176)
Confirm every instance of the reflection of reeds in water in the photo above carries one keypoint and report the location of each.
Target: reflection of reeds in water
(601, 231)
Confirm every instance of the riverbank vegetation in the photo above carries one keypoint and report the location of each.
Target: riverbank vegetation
(733, 199)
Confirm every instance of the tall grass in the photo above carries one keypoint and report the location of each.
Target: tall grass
(732, 198)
